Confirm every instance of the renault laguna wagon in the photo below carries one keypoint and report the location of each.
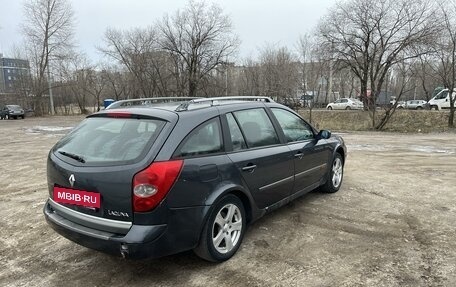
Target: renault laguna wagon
(145, 178)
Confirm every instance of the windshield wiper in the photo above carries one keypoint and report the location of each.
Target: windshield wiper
(73, 156)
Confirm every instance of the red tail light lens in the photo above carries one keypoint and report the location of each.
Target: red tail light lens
(151, 185)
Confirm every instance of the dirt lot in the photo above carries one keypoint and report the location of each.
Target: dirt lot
(391, 224)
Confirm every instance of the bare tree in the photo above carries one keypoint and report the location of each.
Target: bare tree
(313, 68)
(279, 69)
(445, 52)
(200, 38)
(406, 75)
(74, 73)
(370, 37)
(117, 82)
(48, 30)
(138, 51)
(96, 85)
(249, 80)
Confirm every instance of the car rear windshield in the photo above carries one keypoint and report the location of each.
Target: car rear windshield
(108, 141)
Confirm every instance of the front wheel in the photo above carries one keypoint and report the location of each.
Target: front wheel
(329, 108)
(335, 175)
(223, 232)
(348, 108)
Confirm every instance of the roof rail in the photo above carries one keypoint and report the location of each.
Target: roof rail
(216, 100)
(148, 101)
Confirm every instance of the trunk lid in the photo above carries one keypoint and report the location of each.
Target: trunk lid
(91, 169)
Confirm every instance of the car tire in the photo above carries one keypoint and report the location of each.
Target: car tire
(335, 175)
(219, 243)
(419, 108)
(348, 108)
(329, 108)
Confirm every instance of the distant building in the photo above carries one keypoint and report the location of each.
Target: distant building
(11, 72)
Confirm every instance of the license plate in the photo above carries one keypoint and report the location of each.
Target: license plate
(77, 197)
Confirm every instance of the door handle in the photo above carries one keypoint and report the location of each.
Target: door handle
(299, 155)
(249, 167)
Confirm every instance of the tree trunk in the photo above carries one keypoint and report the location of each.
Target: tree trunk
(192, 88)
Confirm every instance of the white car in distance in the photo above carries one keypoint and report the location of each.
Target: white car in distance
(345, 104)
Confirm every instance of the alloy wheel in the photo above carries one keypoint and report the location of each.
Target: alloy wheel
(337, 170)
(227, 228)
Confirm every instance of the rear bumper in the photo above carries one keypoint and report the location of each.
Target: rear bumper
(141, 241)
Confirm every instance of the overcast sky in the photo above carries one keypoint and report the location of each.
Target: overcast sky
(255, 21)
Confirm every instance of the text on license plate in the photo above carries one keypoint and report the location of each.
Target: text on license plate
(77, 197)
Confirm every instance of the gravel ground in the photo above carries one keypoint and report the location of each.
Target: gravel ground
(391, 224)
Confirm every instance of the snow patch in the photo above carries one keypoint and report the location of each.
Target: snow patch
(47, 130)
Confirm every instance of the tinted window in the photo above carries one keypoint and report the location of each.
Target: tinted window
(107, 140)
(237, 139)
(294, 128)
(205, 139)
(344, 101)
(257, 127)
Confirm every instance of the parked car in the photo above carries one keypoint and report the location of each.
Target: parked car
(12, 112)
(148, 182)
(400, 104)
(441, 100)
(345, 104)
(416, 105)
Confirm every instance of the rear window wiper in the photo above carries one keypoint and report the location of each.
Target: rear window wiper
(73, 156)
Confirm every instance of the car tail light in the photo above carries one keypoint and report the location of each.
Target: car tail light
(151, 185)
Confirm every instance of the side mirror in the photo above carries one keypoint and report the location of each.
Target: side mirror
(324, 134)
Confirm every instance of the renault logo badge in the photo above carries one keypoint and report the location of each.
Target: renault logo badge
(71, 179)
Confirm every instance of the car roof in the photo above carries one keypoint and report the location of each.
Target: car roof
(170, 111)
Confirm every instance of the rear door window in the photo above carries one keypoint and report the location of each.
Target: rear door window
(110, 140)
(257, 127)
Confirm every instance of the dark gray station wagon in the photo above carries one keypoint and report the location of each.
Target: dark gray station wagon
(151, 177)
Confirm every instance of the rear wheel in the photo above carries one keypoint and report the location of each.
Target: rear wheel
(335, 175)
(348, 108)
(419, 108)
(223, 232)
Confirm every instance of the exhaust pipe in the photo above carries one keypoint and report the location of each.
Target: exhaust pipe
(124, 251)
